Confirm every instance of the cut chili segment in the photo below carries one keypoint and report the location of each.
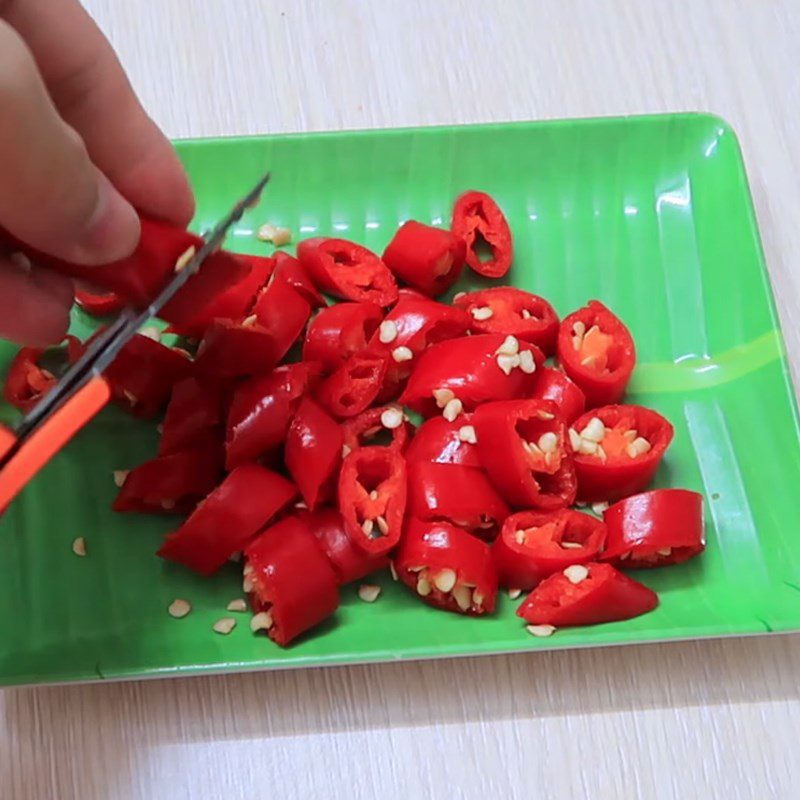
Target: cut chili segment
(235, 350)
(371, 424)
(291, 584)
(282, 311)
(98, 304)
(586, 594)
(372, 497)
(536, 544)
(289, 270)
(427, 258)
(354, 386)
(261, 410)
(524, 447)
(554, 385)
(348, 270)
(313, 452)
(461, 495)
(445, 442)
(339, 331)
(508, 310)
(479, 221)
(596, 350)
(194, 410)
(654, 529)
(471, 370)
(447, 568)
(617, 450)
(349, 562)
(173, 483)
(223, 524)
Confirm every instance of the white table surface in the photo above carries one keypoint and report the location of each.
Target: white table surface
(709, 719)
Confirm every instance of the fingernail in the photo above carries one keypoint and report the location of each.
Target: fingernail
(113, 229)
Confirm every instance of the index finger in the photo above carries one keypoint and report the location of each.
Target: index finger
(93, 94)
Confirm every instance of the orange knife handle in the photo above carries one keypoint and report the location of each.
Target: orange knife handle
(53, 434)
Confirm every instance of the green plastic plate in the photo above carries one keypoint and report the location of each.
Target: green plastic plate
(652, 215)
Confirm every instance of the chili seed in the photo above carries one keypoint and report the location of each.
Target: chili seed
(513, 594)
(665, 551)
(392, 418)
(368, 592)
(575, 439)
(525, 314)
(599, 508)
(466, 433)
(79, 546)
(261, 621)
(373, 495)
(477, 598)
(248, 322)
(387, 331)
(519, 537)
(179, 608)
(587, 448)
(453, 408)
(509, 347)
(482, 313)
(540, 630)
(571, 545)
(458, 296)
(120, 476)
(638, 447)
(383, 525)
(367, 526)
(579, 328)
(237, 605)
(445, 580)
(423, 587)
(548, 442)
(393, 571)
(594, 431)
(508, 363)
(526, 362)
(184, 258)
(443, 397)
(400, 354)
(576, 573)
(463, 597)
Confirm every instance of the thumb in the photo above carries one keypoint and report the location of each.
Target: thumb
(51, 195)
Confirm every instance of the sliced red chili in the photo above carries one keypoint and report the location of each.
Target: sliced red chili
(98, 304)
(223, 523)
(339, 331)
(429, 259)
(348, 270)
(415, 323)
(604, 595)
(618, 450)
(447, 567)
(555, 386)
(372, 497)
(524, 447)
(439, 440)
(174, 483)
(370, 424)
(261, 410)
(507, 310)
(596, 350)
(292, 585)
(653, 529)
(283, 312)
(194, 410)
(313, 452)
(235, 350)
(28, 379)
(458, 494)
(141, 377)
(474, 370)
(479, 221)
(349, 562)
(536, 544)
(289, 270)
(354, 386)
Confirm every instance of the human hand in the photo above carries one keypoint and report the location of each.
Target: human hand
(77, 153)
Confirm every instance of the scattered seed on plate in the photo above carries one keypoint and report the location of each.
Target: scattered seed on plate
(369, 592)
(261, 621)
(599, 508)
(274, 233)
(120, 476)
(514, 593)
(79, 546)
(224, 625)
(179, 608)
(238, 604)
(540, 630)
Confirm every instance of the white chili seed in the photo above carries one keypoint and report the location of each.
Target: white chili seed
(630, 435)
(414, 569)
(548, 442)
(528, 365)
(509, 347)
(571, 545)
(400, 354)
(540, 630)
(477, 598)
(445, 580)
(482, 313)
(514, 593)
(519, 537)
(466, 433)
(373, 495)
(79, 546)
(367, 526)
(443, 397)
(393, 571)
(594, 431)
(545, 415)
(587, 448)
(179, 608)
(392, 418)
(574, 439)
(383, 525)
(247, 585)
(120, 476)
(576, 573)
(508, 363)
(638, 447)
(237, 605)
(453, 408)
(589, 361)
(525, 314)
(458, 296)
(248, 322)
(369, 592)
(185, 258)
(275, 234)
(626, 554)
(301, 505)
(599, 508)
(665, 551)
(387, 332)
(423, 587)
(463, 597)
(600, 453)
(579, 328)
(261, 621)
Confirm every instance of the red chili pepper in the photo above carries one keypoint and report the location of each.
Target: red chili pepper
(461, 495)
(292, 585)
(475, 370)
(555, 386)
(283, 312)
(348, 270)
(261, 410)
(234, 302)
(194, 410)
(372, 497)
(313, 452)
(525, 449)
(173, 483)
(605, 595)
(535, 544)
(228, 518)
(28, 380)
(444, 442)
(508, 310)
(429, 259)
(596, 350)
(339, 331)
(447, 567)
(235, 350)
(354, 385)
(349, 562)
(141, 377)
(371, 423)
(653, 529)
(98, 304)
(478, 220)
(289, 270)
(415, 323)
(617, 450)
